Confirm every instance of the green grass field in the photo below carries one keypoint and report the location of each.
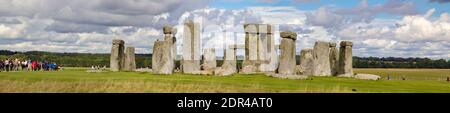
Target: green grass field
(78, 80)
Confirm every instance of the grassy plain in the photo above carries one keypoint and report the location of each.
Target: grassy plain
(78, 80)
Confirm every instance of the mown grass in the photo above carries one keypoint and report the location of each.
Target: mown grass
(78, 80)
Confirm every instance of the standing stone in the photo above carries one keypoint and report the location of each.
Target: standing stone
(270, 57)
(260, 54)
(345, 59)
(157, 56)
(117, 55)
(287, 57)
(307, 61)
(130, 62)
(334, 59)
(191, 48)
(162, 61)
(209, 60)
(250, 63)
(169, 35)
(322, 59)
(163, 54)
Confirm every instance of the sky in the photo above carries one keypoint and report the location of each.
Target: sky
(380, 28)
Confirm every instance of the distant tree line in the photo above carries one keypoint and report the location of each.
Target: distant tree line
(397, 62)
(144, 60)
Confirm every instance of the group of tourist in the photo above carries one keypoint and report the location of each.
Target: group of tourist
(27, 65)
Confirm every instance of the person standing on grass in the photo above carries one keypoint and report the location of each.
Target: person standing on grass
(34, 65)
(24, 65)
(29, 67)
(39, 65)
(15, 65)
(7, 65)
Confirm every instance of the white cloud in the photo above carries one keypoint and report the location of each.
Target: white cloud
(420, 28)
(379, 43)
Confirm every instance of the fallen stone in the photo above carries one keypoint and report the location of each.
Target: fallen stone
(248, 69)
(287, 76)
(367, 76)
(144, 70)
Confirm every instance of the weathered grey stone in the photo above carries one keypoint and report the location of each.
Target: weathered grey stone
(164, 52)
(227, 68)
(169, 35)
(229, 62)
(259, 49)
(130, 62)
(251, 62)
(162, 59)
(191, 48)
(209, 60)
(307, 62)
(286, 76)
(157, 56)
(291, 35)
(167, 29)
(249, 69)
(117, 55)
(287, 54)
(367, 76)
(268, 53)
(345, 59)
(334, 59)
(144, 70)
(321, 59)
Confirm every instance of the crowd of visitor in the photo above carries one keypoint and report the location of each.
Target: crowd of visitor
(27, 65)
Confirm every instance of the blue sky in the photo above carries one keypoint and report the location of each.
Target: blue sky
(422, 5)
(381, 28)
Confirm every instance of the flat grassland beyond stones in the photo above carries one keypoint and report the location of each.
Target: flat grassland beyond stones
(78, 80)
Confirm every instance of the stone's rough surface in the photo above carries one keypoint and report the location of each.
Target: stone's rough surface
(345, 59)
(259, 49)
(209, 60)
(144, 70)
(167, 30)
(130, 62)
(162, 59)
(334, 59)
(229, 64)
(228, 68)
(287, 76)
(164, 52)
(289, 34)
(117, 55)
(321, 59)
(367, 77)
(307, 62)
(191, 48)
(157, 56)
(287, 57)
(269, 54)
(169, 35)
(249, 69)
